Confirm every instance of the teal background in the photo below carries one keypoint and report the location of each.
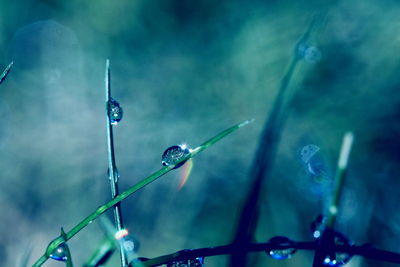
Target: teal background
(183, 71)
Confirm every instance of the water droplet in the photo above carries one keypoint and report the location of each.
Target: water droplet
(315, 168)
(318, 226)
(340, 258)
(312, 54)
(308, 151)
(284, 253)
(130, 244)
(116, 174)
(60, 253)
(197, 262)
(309, 53)
(115, 111)
(174, 154)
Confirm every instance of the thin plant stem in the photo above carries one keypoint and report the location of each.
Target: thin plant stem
(326, 243)
(102, 253)
(339, 178)
(363, 250)
(112, 168)
(265, 155)
(120, 197)
(6, 72)
(109, 230)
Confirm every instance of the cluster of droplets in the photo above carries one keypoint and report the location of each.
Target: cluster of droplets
(309, 53)
(281, 253)
(115, 111)
(196, 262)
(336, 259)
(339, 258)
(174, 154)
(60, 253)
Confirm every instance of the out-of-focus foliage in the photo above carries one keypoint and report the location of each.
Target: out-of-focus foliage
(182, 71)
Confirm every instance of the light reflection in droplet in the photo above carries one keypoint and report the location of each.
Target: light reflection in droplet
(340, 258)
(60, 253)
(174, 154)
(308, 53)
(115, 111)
(284, 253)
(197, 262)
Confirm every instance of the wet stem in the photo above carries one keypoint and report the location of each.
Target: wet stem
(120, 197)
(112, 168)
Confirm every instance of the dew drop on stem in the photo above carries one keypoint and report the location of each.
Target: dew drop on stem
(197, 262)
(339, 258)
(116, 174)
(309, 53)
(60, 253)
(283, 253)
(312, 54)
(115, 111)
(130, 244)
(174, 154)
(318, 226)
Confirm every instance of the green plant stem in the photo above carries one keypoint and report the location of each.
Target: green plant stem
(112, 168)
(339, 178)
(102, 209)
(5, 72)
(265, 155)
(102, 253)
(326, 242)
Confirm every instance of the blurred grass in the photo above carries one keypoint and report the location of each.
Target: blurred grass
(168, 56)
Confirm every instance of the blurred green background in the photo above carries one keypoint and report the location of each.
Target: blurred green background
(183, 71)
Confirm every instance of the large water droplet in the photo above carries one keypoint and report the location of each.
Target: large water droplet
(115, 111)
(284, 253)
(174, 154)
(197, 262)
(60, 253)
(340, 258)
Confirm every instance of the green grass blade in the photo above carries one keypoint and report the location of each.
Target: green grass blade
(339, 178)
(102, 209)
(102, 253)
(265, 155)
(5, 72)
(112, 168)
